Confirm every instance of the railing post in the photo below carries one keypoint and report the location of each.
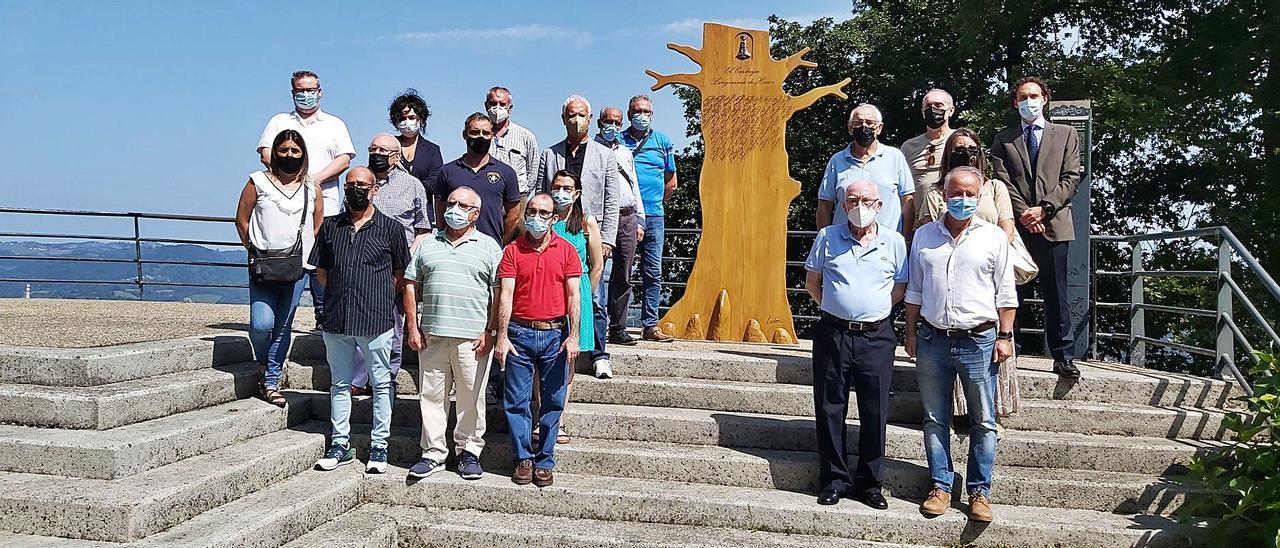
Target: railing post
(1093, 300)
(1137, 317)
(1225, 349)
(137, 255)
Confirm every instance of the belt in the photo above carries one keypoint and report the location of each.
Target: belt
(540, 325)
(976, 331)
(852, 325)
(626, 210)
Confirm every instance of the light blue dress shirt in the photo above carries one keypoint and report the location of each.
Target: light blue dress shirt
(858, 280)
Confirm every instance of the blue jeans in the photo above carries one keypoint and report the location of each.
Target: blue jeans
(361, 379)
(317, 294)
(340, 350)
(538, 351)
(651, 269)
(938, 360)
(600, 310)
(271, 311)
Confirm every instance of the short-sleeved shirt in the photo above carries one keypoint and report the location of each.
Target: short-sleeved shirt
(857, 279)
(458, 283)
(993, 203)
(654, 161)
(401, 197)
(360, 265)
(924, 156)
(518, 148)
(495, 182)
(886, 167)
(540, 277)
(327, 138)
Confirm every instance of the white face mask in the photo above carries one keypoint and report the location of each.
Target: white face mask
(408, 127)
(498, 114)
(862, 216)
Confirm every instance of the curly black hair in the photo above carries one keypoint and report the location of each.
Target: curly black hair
(411, 100)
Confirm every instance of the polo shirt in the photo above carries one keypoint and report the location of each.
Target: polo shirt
(326, 138)
(457, 283)
(540, 277)
(495, 182)
(360, 292)
(886, 167)
(857, 279)
(653, 162)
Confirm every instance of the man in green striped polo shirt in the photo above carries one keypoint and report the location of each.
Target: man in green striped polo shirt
(456, 273)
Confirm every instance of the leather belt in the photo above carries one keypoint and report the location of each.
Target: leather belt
(626, 210)
(861, 327)
(539, 324)
(976, 331)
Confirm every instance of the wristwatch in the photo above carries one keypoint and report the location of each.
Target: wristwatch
(1004, 335)
(493, 332)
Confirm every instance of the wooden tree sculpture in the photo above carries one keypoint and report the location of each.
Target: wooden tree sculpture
(737, 290)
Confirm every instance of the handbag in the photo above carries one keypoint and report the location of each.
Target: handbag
(280, 266)
(1024, 267)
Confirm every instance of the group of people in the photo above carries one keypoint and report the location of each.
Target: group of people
(509, 254)
(937, 225)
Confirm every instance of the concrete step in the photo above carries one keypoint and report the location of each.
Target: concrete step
(370, 525)
(112, 364)
(666, 502)
(130, 508)
(128, 450)
(127, 402)
(270, 517)
(314, 375)
(904, 407)
(746, 430)
(1099, 382)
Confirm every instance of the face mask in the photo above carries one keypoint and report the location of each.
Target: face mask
(379, 163)
(641, 120)
(610, 132)
(536, 226)
(1029, 109)
(576, 124)
(935, 117)
(306, 100)
(287, 164)
(864, 136)
(498, 114)
(963, 158)
(861, 216)
(562, 198)
(478, 145)
(408, 128)
(357, 199)
(961, 208)
(457, 218)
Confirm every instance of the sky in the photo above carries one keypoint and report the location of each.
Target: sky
(158, 106)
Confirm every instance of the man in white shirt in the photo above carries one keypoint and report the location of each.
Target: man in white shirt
(329, 149)
(617, 272)
(961, 302)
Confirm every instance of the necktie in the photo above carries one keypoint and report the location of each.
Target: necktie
(1033, 144)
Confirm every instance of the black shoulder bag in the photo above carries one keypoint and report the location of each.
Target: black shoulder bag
(280, 266)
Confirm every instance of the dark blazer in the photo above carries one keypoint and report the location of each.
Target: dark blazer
(1056, 176)
(426, 164)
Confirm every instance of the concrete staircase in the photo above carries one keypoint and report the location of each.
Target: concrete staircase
(161, 444)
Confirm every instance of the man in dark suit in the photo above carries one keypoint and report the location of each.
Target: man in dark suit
(1040, 162)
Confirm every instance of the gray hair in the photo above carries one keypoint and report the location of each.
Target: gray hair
(607, 107)
(924, 100)
(879, 115)
(573, 98)
(960, 171)
(641, 97)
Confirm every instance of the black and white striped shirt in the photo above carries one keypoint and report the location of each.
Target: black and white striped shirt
(360, 265)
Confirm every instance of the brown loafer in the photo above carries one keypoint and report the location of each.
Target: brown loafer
(543, 477)
(980, 509)
(936, 503)
(655, 334)
(523, 474)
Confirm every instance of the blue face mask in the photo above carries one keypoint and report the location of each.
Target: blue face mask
(641, 121)
(562, 198)
(610, 132)
(961, 208)
(457, 218)
(1030, 109)
(537, 226)
(306, 100)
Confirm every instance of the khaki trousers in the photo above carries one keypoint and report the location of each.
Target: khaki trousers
(444, 363)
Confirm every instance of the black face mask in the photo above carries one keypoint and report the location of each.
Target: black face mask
(935, 117)
(478, 145)
(964, 157)
(379, 163)
(357, 199)
(864, 136)
(287, 164)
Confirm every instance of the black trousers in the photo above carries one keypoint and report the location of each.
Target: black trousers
(863, 361)
(1051, 257)
(624, 255)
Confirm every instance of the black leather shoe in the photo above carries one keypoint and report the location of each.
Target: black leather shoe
(874, 499)
(829, 497)
(624, 339)
(1066, 369)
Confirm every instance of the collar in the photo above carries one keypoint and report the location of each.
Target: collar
(441, 236)
(847, 233)
(974, 222)
(523, 242)
(345, 218)
(610, 144)
(878, 152)
(461, 162)
(319, 116)
(1037, 122)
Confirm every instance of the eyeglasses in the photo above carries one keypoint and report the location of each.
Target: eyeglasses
(540, 213)
(465, 207)
(863, 123)
(868, 202)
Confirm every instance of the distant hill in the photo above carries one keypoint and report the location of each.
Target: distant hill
(123, 272)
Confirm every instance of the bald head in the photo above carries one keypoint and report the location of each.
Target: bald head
(385, 140)
(937, 97)
(464, 196)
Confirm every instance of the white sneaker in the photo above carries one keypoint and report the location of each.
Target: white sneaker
(604, 368)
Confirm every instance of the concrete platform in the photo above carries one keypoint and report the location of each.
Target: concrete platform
(98, 366)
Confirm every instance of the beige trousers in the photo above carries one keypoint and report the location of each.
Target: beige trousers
(444, 363)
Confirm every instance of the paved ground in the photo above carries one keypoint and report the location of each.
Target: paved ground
(75, 323)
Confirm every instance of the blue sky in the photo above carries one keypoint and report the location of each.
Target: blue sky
(158, 106)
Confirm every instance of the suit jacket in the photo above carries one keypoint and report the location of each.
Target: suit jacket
(599, 183)
(1055, 178)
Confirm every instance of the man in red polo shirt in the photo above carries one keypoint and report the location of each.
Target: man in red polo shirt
(537, 332)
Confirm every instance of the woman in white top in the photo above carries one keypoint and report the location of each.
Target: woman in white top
(273, 205)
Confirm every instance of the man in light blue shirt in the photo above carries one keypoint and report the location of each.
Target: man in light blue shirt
(868, 158)
(857, 270)
(655, 162)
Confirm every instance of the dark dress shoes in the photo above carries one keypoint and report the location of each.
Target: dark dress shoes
(1066, 369)
(623, 338)
(874, 499)
(829, 496)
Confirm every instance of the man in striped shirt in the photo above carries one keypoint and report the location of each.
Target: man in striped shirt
(455, 272)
